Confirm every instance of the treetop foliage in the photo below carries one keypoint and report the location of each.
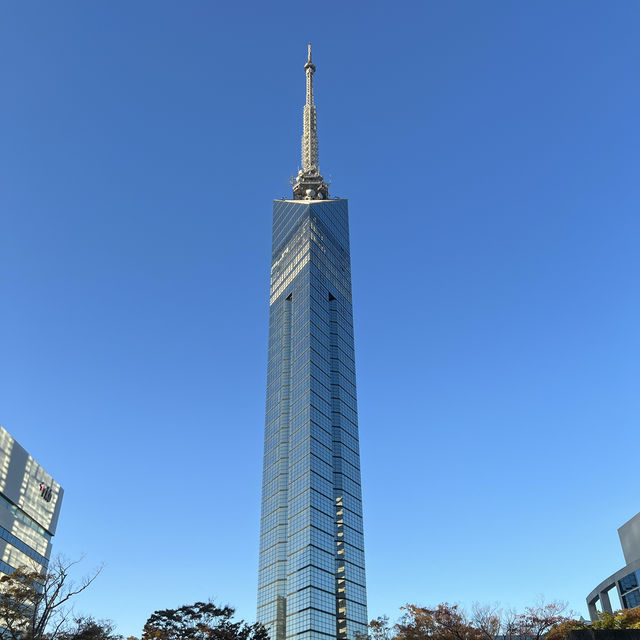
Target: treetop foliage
(35, 605)
(200, 621)
(87, 628)
(546, 621)
(451, 622)
(445, 622)
(623, 619)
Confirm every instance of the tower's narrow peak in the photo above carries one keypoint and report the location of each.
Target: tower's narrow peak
(309, 122)
(309, 183)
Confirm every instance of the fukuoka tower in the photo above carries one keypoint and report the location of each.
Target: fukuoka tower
(311, 583)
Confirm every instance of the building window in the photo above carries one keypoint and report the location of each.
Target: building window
(628, 582)
(631, 599)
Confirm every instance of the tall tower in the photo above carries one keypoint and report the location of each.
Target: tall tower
(311, 581)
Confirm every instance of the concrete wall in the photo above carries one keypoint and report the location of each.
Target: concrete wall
(629, 534)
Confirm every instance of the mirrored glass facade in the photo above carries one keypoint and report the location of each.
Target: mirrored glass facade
(311, 576)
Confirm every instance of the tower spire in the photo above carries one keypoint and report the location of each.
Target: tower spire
(309, 184)
(309, 122)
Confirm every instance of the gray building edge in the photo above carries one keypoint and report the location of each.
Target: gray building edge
(601, 592)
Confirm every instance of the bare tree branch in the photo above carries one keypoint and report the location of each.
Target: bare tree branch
(34, 602)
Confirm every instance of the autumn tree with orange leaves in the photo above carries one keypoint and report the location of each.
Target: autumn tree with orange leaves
(452, 622)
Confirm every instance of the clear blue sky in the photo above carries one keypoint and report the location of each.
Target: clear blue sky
(490, 152)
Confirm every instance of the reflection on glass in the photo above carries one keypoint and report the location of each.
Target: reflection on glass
(628, 582)
(312, 578)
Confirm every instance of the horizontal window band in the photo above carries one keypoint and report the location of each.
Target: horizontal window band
(23, 546)
(310, 586)
(6, 568)
(23, 517)
(330, 554)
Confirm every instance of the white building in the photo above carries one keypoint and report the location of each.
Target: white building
(30, 502)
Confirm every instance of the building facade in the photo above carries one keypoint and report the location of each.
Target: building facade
(626, 581)
(311, 577)
(30, 501)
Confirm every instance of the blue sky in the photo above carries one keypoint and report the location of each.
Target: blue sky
(490, 154)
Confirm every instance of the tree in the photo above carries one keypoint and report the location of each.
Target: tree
(445, 622)
(380, 629)
(200, 621)
(623, 619)
(87, 628)
(486, 622)
(34, 603)
(560, 631)
(538, 620)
